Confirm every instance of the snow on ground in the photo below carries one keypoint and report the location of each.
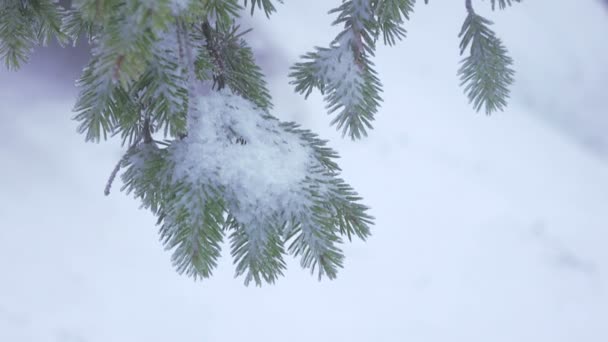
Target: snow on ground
(488, 228)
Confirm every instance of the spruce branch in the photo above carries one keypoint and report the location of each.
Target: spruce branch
(502, 4)
(195, 208)
(144, 135)
(390, 17)
(75, 26)
(26, 24)
(219, 11)
(258, 253)
(486, 72)
(344, 72)
(225, 166)
(265, 5)
(232, 62)
(191, 227)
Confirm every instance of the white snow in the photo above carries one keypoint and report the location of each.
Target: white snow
(232, 146)
(336, 65)
(488, 228)
(337, 68)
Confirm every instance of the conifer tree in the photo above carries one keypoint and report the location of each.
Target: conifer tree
(176, 80)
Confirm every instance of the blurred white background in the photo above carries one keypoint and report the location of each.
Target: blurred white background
(488, 228)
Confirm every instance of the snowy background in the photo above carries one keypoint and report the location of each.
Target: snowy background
(488, 228)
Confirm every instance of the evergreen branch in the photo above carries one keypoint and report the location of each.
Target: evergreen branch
(132, 114)
(146, 177)
(258, 253)
(228, 166)
(334, 212)
(305, 74)
(502, 4)
(75, 26)
(233, 63)
(96, 104)
(124, 67)
(25, 24)
(192, 228)
(390, 16)
(351, 87)
(219, 11)
(323, 154)
(147, 138)
(265, 5)
(350, 216)
(49, 16)
(486, 73)
(16, 37)
(344, 73)
(95, 10)
(316, 252)
(195, 202)
(163, 87)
